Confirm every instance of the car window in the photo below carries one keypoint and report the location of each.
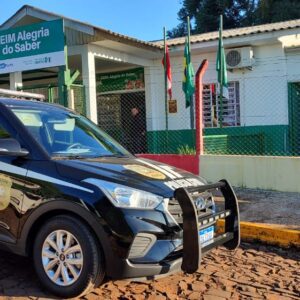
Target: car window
(63, 133)
(6, 131)
(3, 133)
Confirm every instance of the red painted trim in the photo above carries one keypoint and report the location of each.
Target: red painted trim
(189, 163)
(199, 109)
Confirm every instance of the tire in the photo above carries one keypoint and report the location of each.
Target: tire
(71, 271)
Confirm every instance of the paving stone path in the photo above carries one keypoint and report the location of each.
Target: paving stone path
(253, 272)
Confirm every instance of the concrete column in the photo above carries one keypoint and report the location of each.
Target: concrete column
(89, 81)
(15, 80)
(155, 102)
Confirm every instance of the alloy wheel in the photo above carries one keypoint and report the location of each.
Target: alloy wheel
(62, 257)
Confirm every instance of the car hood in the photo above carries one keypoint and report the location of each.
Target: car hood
(138, 173)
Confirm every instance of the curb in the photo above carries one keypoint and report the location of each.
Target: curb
(267, 233)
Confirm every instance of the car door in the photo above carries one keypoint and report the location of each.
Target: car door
(12, 177)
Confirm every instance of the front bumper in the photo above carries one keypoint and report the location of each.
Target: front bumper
(192, 223)
(187, 253)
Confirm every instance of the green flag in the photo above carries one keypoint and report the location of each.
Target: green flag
(221, 60)
(188, 83)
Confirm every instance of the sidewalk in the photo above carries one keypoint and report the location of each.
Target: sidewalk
(279, 209)
(268, 216)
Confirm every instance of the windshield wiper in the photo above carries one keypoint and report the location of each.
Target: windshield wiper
(90, 157)
(112, 155)
(69, 156)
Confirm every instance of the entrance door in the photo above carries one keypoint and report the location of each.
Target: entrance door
(294, 118)
(116, 117)
(133, 115)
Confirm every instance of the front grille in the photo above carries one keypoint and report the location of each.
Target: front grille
(206, 209)
(195, 243)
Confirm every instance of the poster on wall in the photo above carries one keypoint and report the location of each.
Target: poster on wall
(172, 106)
(35, 46)
(132, 79)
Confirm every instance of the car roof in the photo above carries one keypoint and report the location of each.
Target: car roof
(31, 104)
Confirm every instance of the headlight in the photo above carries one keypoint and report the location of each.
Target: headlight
(123, 196)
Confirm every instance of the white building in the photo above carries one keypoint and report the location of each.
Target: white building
(259, 89)
(262, 115)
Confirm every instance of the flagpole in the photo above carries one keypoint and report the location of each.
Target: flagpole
(191, 98)
(221, 79)
(166, 80)
(166, 93)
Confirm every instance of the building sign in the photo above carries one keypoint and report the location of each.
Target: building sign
(121, 81)
(35, 46)
(172, 106)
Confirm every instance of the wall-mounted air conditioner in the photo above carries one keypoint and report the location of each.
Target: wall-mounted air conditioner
(239, 58)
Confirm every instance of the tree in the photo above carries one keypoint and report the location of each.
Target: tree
(204, 14)
(189, 8)
(207, 18)
(234, 14)
(270, 11)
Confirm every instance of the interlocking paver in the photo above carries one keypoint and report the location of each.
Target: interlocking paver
(253, 272)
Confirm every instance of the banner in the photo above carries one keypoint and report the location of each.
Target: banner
(121, 81)
(35, 46)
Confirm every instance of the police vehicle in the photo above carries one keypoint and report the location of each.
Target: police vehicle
(83, 207)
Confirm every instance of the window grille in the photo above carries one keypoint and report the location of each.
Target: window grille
(231, 105)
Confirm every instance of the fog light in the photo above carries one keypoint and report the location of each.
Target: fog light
(141, 245)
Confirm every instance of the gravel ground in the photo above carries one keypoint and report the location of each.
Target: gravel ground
(272, 207)
(253, 272)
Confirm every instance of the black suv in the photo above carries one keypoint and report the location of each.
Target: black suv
(84, 207)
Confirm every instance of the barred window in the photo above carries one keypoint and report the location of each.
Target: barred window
(231, 105)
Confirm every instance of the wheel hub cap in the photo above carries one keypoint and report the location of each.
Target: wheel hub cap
(62, 257)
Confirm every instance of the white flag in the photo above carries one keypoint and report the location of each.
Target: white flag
(225, 91)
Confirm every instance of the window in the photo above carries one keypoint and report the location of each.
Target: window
(231, 105)
(64, 134)
(3, 133)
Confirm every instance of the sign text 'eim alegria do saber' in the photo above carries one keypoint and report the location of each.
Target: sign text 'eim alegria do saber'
(35, 46)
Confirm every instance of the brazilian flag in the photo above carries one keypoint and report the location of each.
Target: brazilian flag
(188, 83)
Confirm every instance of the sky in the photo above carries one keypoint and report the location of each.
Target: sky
(142, 19)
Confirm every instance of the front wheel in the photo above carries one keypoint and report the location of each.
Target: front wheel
(67, 257)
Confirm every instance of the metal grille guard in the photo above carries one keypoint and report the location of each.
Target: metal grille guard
(192, 223)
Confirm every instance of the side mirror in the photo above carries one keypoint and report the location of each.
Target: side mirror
(11, 147)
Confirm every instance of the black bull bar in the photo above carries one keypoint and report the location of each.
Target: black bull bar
(192, 223)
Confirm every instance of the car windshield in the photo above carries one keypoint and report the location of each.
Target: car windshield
(66, 134)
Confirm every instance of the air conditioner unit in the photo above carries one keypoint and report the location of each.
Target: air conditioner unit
(239, 58)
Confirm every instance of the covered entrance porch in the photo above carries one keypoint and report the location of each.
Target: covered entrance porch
(89, 50)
